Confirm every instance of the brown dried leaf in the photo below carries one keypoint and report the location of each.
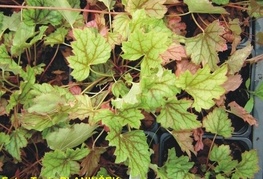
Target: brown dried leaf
(91, 162)
(185, 141)
(198, 136)
(174, 52)
(242, 113)
(232, 83)
(183, 65)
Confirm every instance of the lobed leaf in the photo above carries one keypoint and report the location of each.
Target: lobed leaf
(203, 47)
(154, 8)
(218, 123)
(157, 88)
(203, 6)
(57, 37)
(89, 48)
(7, 63)
(18, 140)
(133, 148)
(248, 166)
(222, 155)
(62, 163)
(174, 114)
(70, 137)
(203, 86)
(4, 138)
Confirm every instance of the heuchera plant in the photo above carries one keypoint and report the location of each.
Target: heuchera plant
(127, 60)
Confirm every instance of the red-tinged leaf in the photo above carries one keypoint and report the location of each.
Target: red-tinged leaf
(232, 83)
(90, 163)
(242, 113)
(198, 137)
(174, 52)
(183, 65)
(203, 48)
(185, 141)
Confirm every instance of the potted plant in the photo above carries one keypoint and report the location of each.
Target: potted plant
(88, 87)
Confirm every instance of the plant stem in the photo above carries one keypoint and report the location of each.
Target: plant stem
(210, 149)
(93, 145)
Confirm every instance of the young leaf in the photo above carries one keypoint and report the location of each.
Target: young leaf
(249, 105)
(177, 167)
(203, 47)
(57, 37)
(62, 163)
(91, 162)
(157, 88)
(69, 15)
(236, 61)
(128, 100)
(131, 146)
(154, 8)
(222, 155)
(18, 140)
(98, 52)
(70, 137)
(248, 166)
(242, 113)
(203, 86)
(218, 123)
(174, 115)
(204, 6)
(38, 16)
(109, 3)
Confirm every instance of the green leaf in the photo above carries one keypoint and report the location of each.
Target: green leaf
(157, 88)
(7, 63)
(131, 146)
(153, 8)
(41, 16)
(119, 88)
(237, 60)
(109, 3)
(146, 45)
(57, 37)
(203, 6)
(4, 138)
(220, 2)
(259, 91)
(174, 114)
(249, 105)
(222, 155)
(70, 137)
(218, 123)
(10, 22)
(130, 99)
(177, 167)
(131, 117)
(18, 140)
(120, 24)
(97, 53)
(40, 122)
(248, 166)
(82, 108)
(62, 163)
(203, 47)
(203, 86)
(69, 15)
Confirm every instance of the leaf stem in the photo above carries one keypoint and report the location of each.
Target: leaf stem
(210, 149)
(93, 145)
(198, 25)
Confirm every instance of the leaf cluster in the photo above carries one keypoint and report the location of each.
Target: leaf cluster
(82, 78)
